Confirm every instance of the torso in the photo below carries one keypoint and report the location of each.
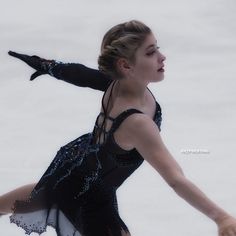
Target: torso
(116, 106)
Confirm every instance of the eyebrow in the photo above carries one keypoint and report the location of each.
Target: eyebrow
(152, 45)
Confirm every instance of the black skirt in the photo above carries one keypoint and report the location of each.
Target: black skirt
(71, 197)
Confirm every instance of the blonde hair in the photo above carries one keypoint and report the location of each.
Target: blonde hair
(121, 41)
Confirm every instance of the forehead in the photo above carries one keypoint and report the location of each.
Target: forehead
(149, 41)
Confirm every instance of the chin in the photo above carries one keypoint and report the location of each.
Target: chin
(159, 79)
(155, 79)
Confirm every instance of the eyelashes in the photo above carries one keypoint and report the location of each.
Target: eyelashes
(153, 51)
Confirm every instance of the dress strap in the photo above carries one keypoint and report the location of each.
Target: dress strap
(103, 106)
(121, 117)
(105, 109)
(152, 94)
(108, 117)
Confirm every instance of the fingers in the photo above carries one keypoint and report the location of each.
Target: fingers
(14, 54)
(11, 53)
(33, 61)
(229, 232)
(36, 74)
(20, 56)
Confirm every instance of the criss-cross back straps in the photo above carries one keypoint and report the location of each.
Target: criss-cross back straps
(104, 113)
(121, 117)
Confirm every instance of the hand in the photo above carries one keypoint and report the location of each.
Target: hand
(227, 227)
(41, 65)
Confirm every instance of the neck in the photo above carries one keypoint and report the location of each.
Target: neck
(131, 89)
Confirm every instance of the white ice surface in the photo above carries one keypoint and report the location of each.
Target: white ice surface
(198, 99)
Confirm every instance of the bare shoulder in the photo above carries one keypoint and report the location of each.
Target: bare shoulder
(140, 130)
(124, 136)
(146, 138)
(141, 126)
(143, 130)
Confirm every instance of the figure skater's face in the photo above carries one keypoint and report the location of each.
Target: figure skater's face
(149, 64)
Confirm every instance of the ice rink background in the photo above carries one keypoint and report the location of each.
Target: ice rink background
(197, 96)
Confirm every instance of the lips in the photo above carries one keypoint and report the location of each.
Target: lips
(161, 69)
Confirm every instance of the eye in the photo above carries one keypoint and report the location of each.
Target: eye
(153, 51)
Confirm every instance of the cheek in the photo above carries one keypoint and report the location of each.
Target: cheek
(145, 66)
(149, 68)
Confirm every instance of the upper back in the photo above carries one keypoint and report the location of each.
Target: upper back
(116, 118)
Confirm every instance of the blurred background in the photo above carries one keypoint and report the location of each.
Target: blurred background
(197, 96)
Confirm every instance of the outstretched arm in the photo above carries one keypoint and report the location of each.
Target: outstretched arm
(146, 138)
(80, 75)
(73, 73)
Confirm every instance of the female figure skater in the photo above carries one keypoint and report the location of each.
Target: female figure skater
(77, 193)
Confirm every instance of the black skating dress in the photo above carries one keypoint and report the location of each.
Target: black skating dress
(77, 193)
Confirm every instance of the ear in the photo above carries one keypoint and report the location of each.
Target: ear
(123, 65)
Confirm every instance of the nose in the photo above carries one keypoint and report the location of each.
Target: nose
(162, 57)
